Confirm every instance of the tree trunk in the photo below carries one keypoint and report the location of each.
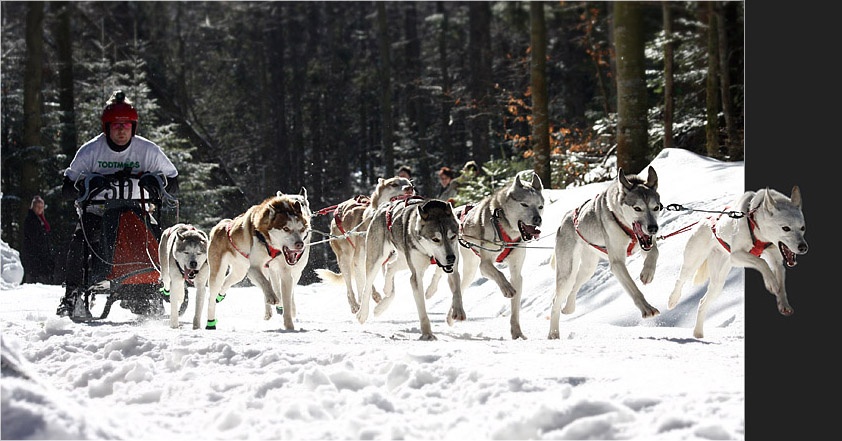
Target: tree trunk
(632, 136)
(446, 101)
(32, 99)
(712, 86)
(64, 51)
(385, 90)
(669, 81)
(540, 102)
(735, 149)
(479, 50)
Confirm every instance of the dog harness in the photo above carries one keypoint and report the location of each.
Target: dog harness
(360, 200)
(406, 199)
(273, 252)
(628, 231)
(501, 233)
(758, 245)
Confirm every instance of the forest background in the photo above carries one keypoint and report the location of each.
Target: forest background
(248, 98)
(788, 132)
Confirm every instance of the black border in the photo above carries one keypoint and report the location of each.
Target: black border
(790, 128)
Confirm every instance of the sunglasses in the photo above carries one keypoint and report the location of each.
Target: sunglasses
(121, 125)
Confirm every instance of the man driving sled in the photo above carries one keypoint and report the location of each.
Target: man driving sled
(117, 150)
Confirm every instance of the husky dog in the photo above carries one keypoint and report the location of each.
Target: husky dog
(354, 215)
(615, 223)
(413, 232)
(767, 238)
(270, 244)
(491, 232)
(183, 254)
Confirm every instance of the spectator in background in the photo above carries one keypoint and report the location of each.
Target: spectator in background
(449, 186)
(37, 251)
(405, 172)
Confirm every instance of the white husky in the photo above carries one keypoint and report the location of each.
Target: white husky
(270, 244)
(494, 231)
(183, 254)
(767, 238)
(612, 225)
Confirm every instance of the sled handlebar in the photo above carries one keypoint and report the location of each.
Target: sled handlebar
(120, 183)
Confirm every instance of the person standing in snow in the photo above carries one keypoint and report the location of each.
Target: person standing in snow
(37, 252)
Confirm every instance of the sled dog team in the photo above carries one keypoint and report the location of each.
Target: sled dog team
(393, 229)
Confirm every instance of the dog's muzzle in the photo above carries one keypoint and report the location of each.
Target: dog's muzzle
(789, 255)
(645, 240)
(451, 260)
(293, 256)
(527, 231)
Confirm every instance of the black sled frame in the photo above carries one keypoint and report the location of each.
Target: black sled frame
(122, 263)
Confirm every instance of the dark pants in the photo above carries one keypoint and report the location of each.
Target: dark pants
(78, 252)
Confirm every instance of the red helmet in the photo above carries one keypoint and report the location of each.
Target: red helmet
(118, 110)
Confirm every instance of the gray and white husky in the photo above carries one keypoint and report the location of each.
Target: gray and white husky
(614, 224)
(353, 216)
(494, 230)
(413, 233)
(767, 238)
(183, 255)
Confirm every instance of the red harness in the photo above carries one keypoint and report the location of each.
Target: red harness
(628, 231)
(337, 213)
(500, 232)
(758, 245)
(273, 252)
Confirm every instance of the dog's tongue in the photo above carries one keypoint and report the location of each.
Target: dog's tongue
(528, 232)
(191, 274)
(789, 256)
(643, 239)
(292, 256)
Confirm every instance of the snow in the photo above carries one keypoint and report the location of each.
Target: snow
(612, 375)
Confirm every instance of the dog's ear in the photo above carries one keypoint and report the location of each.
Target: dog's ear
(621, 178)
(279, 193)
(796, 197)
(536, 182)
(768, 202)
(303, 192)
(652, 179)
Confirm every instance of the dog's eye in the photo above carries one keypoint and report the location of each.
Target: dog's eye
(659, 207)
(803, 228)
(436, 240)
(524, 204)
(638, 209)
(286, 229)
(787, 229)
(540, 207)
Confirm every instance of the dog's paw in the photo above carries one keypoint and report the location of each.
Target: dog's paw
(428, 337)
(455, 313)
(647, 310)
(362, 315)
(376, 296)
(509, 291)
(785, 309)
(211, 324)
(220, 297)
(647, 275)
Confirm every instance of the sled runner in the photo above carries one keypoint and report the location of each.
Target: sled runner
(121, 263)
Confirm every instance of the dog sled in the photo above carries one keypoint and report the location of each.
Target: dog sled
(121, 264)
